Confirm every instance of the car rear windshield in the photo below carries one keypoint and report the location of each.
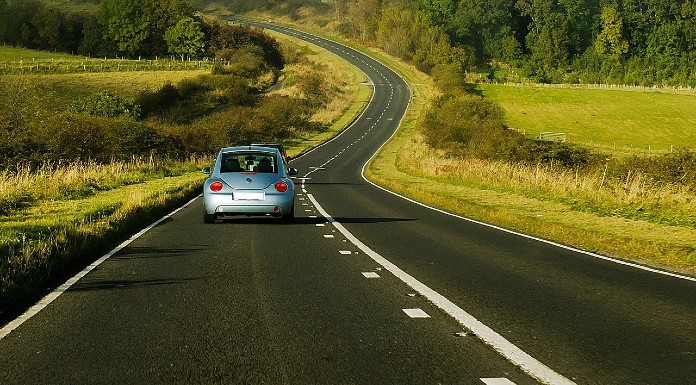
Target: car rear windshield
(248, 161)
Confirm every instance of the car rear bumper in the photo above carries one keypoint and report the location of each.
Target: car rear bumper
(224, 205)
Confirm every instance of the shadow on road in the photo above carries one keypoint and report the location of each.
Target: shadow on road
(304, 220)
(125, 284)
(138, 252)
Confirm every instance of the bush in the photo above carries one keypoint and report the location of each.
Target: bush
(72, 137)
(462, 123)
(105, 104)
(675, 168)
(131, 138)
(154, 103)
(471, 126)
(18, 146)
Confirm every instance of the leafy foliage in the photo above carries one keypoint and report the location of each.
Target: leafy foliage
(138, 26)
(630, 41)
(185, 38)
(224, 37)
(105, 104)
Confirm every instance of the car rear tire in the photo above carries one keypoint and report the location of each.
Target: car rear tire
(209, 218)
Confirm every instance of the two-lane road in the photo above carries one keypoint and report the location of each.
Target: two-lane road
(365, 287)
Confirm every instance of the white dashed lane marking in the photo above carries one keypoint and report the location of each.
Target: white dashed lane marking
(416, 313)
(506, 348)
(497, 381)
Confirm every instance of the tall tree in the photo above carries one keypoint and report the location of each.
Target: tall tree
(582, 18)
(185, 38)
(126, 24)
(4, 22)
(138, 26)
(48, 24)
(162, 15)
(488, 26)
(547, 39)
(440, 12)
(610, 40)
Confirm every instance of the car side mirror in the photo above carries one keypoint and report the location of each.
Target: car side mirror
(292, 171)
(206, 170)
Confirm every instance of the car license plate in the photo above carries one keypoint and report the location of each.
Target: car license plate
(249, 196)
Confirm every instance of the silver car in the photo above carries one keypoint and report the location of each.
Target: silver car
(249, 180)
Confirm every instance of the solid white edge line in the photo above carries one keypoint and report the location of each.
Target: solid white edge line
(552, 243)
(45, 301)
(507, 349)
(566, 247)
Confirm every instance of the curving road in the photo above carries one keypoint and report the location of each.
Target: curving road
(365, 288)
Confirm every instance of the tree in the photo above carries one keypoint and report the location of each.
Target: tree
(439, 11)
(48, 25)
(610, 40)
(138, 26)
(93, 42)
(4, 23)
(126, 24)
(162, 15)
(582, 16)
(547, 39)
(185, 38)
(486, 25)
(224, 37)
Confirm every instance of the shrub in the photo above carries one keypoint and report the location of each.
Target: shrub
(73, 137)
(462, 123)
(675, 168)
(156, 102)
(18, 145)
(131, 138)
(471, 126)
(105, 104)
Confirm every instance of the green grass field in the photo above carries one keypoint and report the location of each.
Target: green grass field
(58, 90)
(14, 54)
(621, 121)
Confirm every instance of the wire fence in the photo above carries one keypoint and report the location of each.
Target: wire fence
(63, 66)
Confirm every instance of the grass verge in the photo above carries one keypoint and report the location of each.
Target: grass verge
(644, 230)
(489, 192)
(52, 239)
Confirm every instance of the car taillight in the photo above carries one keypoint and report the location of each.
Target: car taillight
(216, 186)
(281, 187)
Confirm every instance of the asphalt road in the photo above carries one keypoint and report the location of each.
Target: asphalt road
(327, 300)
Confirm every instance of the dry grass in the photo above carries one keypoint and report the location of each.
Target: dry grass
(79, 180)
(581, 211)
(583, 191)
(42, 243)
(634, 220)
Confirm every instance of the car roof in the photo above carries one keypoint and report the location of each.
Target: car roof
(266, 143)
(249, 148)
